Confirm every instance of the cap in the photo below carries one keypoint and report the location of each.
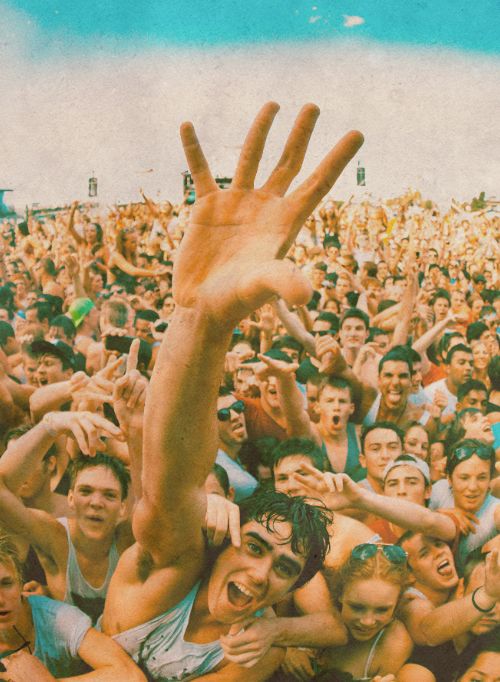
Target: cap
(410, 460)
(59, 349)
(79, 310)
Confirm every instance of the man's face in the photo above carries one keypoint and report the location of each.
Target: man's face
(406, 482)
(232, 431)
(50, 370)
(30, 366)
(257, 574)
(431, 562)
(245, 382)
(478, 426)
(11, 605)
(381, 447)
(440, 308)
(394, 383)
(490, 620)
(167, 308)
(317, 277)
(335, 408)
(269, 392)
(470, 482)
(353, 333)
(416, 377)
(284, 475)
(460, 368)
(457, 300)
(381, 342)
(312, 391)
(143, 330)
(382, 271)
(96, 500)
(476, 399)
(342, 287)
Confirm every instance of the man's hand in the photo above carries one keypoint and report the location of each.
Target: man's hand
(86, 428)
(467, 521)
(248, 642)
(222, 520)
(129, 395)
(298, 663)
(23, 666)
(329, 354)
(492, 575)
(336, 491)
(270, 367)
(246, 232)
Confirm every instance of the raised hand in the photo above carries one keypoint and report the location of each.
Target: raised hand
(129, 395)
(229, 262)
(86, 428)
(222, 520)
(336, 491)
(270, 367)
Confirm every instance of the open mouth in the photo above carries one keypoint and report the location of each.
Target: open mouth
(43, 382)
(95, 519)
(336, 420)
(445, 569)
(4, 614)
(238, 595)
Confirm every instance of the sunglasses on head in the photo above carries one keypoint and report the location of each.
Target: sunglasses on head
(394, 553)
(225, 413)
(464, 452)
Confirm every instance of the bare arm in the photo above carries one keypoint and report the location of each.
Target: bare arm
(423, 343)
(71, 223)
(215, 286)
(294, 326)
(402, 327)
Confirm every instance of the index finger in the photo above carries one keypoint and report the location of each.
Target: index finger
(133, 355)
(108, 371)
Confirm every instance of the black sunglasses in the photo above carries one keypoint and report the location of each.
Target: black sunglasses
(394, 553)
(325, 332)
(225, 413)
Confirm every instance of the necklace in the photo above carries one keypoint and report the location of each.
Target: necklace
(26, 643)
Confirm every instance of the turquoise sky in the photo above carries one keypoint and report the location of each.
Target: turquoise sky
(470, 25)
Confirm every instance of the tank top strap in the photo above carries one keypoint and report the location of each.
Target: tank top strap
(371, 654)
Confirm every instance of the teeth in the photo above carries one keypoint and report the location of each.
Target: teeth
(243, 589)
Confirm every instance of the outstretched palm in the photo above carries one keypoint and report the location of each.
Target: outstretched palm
(230, 262)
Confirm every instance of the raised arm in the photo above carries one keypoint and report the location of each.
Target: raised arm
(71, 223)
(294, 326)
(229, 264)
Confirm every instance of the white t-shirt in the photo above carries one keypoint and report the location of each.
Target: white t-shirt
(440, 385)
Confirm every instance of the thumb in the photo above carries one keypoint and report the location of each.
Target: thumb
(236, 628)
(274, 278)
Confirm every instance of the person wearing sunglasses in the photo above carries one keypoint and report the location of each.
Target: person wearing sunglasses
(232, 435)
(368, 590)
(470, 469)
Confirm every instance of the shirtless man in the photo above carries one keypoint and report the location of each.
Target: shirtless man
(215, 286)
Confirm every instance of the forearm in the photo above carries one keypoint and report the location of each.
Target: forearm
(23, 455)
(298, 423)
(260, 672)
(313, 629)
(451, 620)
(295, 327)
(49, 398)
(423, 343)
(21, 393)
(181, 433)
(407, 514)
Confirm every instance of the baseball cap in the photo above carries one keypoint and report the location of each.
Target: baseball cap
(57, 348)
(79, 310)
(410, 460)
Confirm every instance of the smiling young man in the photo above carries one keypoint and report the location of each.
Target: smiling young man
(458, 368)
(176, 615)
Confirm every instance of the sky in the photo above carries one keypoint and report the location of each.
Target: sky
(102, 86)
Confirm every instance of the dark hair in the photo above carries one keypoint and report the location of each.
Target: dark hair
(43, 311)
(299, 446)
(453, 462)
(336, 382)
(309, 526)
(376, 331)
(224, 391)
(455, 349)
(287, 341)
(471, 385)
(488, 642)
(148, 315)
(494, 373)
(259, 451)
(473, 560)
(116, 467)
(381, 425)
(475, 330)
(386, 303)
(64, 323)
(331, 318)
(357, 313)
(221, 475)
(276, 354)
(397, 354)
(6, 332)
(440, 293)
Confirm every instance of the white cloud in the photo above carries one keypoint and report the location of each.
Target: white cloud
(314, 19)
(429, 116)
(350, 21)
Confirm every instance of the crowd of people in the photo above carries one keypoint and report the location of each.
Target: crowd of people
(254, 436)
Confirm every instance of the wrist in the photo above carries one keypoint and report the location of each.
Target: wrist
(48, 424)
(482, 601)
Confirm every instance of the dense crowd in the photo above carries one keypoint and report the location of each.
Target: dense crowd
(254, 436)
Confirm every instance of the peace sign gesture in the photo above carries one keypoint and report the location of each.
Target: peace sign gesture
(229, 262)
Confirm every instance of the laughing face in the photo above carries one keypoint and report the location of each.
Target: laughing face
(255, 575)
(395, 383)
(96, 499)
(431, 562)
(470, 482)
(367, 606)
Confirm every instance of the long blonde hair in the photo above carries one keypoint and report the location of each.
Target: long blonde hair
(9, 555)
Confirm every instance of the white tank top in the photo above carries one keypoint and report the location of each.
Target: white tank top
(88, 599)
